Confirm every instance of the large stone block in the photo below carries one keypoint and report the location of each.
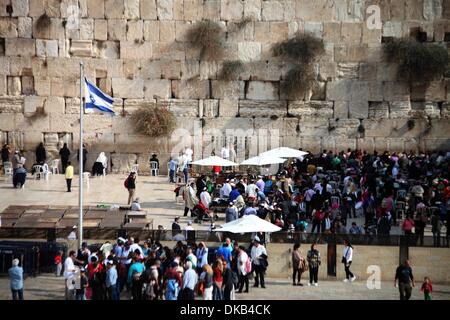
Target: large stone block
(248, 108)
(14, 86)
(425, 110)
(133, 50)
(252, 9)
(209, 108)
(332, 32)
(171, 70)
(180, 107)
(25, 27)
(114, 9)
(20, 47)
(190, 89)
(54, 105)
(87, 29)
(392, 29)
(231, 10)
(8, 27)
(11, 104)
(378, 109)
(209, 69)
(46, 48)
(167, 30)
(148, 9)
(319, 10)
(151, 30)
(348, 70)
(20, 8)
(259, 90)
(399, 109)
(3, 85)
(127, 88)
(160, 89)
(351, 53)
(96, 9)
(272, 10)
(31, 103)
(322, 109)
(122, 163)
(396, 91)
(117, 29)
(100, 30)
(164, 9)
(193, 10)
(132, 9)
(211, 10)
(315, 28)
(351, 32)
(64, 87)
(432, 10)
(229, 107)
(339, 90)
(225, 89)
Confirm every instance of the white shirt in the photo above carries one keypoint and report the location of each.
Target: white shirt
(242, 260)
(205, 198)
(225, 152)
(135, 246)
(251, 190)
(72, 236)
(225, 190)
(188, 152)
(256, 252)
(348, 253)
(69, 268)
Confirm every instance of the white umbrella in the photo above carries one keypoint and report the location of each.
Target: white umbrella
(284, 152)
(262, 161)
(247, 224)
(214, 161)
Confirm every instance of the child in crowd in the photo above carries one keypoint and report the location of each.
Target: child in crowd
(58, 263)
(427, 288)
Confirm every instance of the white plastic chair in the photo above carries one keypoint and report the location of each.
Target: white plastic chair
(86, 176)
(37, 171)
(54, 165)
(154, 168)
(7, 167)
(46, 171)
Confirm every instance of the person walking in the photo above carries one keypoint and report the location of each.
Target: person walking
(347, 258)
(111, 281)
(427, 288)
(228, 283)
(436, 226)
(6, 153)
(69, 273)
(297, 265)
(130, 184)
(404, 279)
(16, 278)
(190, 279)
(172, 169)
(207, 279)
(84, 156)
(244, 268)
(259, 260)
(69, 176)
(190, 199)
(80, 293)
(313, 258)
(64, 153)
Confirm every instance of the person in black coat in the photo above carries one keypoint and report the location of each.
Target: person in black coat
(41, 154)
(64, 152)
(227, 281)
(84, 156)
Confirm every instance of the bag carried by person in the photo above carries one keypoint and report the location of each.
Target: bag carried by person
(304, 265)
(126, 182)
(200, 288)
(248, 266)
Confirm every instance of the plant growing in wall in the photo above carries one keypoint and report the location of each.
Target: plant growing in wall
(231, 70)
(302, 51)
(208, 37)
(153, 120)
(417, 61)
(38, 113)
(43, 22)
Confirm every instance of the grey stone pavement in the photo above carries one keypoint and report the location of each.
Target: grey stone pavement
(49, 287)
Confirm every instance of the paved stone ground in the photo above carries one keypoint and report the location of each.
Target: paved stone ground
(155, 193)
(49, 287)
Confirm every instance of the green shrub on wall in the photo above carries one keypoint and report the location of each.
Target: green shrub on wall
(153, 121)
(231, 70)
(417, 61)
(207, 36)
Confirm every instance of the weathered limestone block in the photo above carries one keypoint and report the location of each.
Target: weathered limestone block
(313, 127)
(272, 10)
(445, 112)
(46, 48)
(339, 90)
(193, 10)
(27, 85)
(396, 91)
(345, 143)
(121, 163)
(231, 10)
(341, 109)
(20, 47)
(96, 9)
(351, 32)
(209, 108)
(351, 53)
(20, 8)
(368, 71)
(378, 109)
(348, 70)
(225, 89)
(160, 89)
(209, 69)
(131, 105)
(399, 109)
(8, 27)
(190, 69)
(133, 50)
(151, 30)
(11, 104)
(148, 9)
(279, 31)
(315, 28)
(114, 9)
(372, 36)
(211, 9)
(117, 29)
(135, 30)
(432, 9)
(164, 9)
(252, 9)
(127, 88)
(319, 10)
(108, 49)
(100, 30)
(81, 48)
(259, 90)
(167, 30)
(169, 51)
(190, 89)
(36, 8)
(14, 86)
(229, 107)
(248, 108)
(358, 109)
(19, 66)
(25, 27)
(3, 85)
(425, 110)
(392, 29)
(332, 32)
(322, 109)
(180, 107)
(132, 9)
(54, 105)
(87, 29)
(171, 70)
(64, 87)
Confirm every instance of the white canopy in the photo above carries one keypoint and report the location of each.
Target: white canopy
(262, 161)
(247, 224)
(214, 161)
(284, 152)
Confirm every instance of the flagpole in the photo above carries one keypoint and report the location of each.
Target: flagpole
(80, 193)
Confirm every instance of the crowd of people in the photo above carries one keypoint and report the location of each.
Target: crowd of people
(405, 190)
(151, 271)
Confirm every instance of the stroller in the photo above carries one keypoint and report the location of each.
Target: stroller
(203, 214)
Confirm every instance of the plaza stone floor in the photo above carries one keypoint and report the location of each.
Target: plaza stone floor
(48, 287)
(155, 193)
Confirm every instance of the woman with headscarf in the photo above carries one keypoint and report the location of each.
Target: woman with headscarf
(41, 154)
(100, 164)
(64, 152)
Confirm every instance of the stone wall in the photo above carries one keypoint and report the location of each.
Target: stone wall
(136, 51)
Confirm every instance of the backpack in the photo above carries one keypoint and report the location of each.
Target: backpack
(172, 290)
(125, 183)
(248, 265)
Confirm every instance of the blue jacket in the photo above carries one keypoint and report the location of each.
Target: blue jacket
(16, 276)
(234, 194)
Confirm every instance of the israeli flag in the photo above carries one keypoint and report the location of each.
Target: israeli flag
(95, 99)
